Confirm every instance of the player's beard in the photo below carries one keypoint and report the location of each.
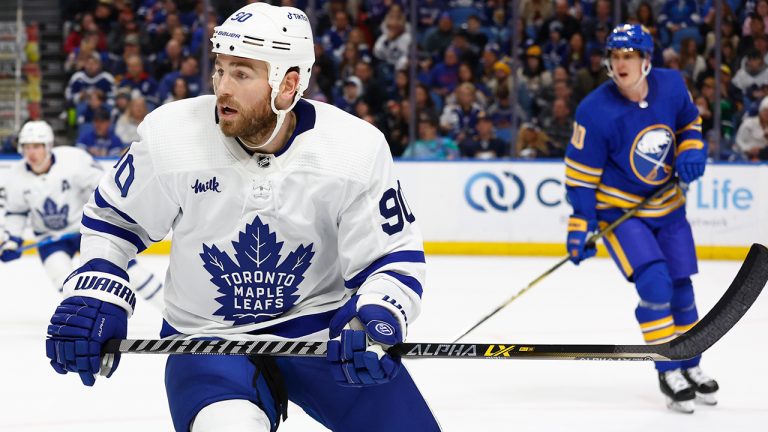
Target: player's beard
(253, 124)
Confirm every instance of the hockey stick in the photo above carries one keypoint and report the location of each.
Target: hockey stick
(46, 240)
(744, 289)
(590, 243)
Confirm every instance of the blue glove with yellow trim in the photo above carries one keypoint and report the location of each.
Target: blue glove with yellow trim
(690, 165)
(579, 230)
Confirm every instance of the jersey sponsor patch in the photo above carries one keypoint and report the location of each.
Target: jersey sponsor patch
(257, 285)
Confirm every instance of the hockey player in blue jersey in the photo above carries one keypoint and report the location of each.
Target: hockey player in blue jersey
(633, 135)
(288, 224)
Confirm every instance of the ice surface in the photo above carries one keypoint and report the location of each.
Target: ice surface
(586, 304)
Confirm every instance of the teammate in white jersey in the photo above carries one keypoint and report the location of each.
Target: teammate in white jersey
(288, 223)
(47, 190)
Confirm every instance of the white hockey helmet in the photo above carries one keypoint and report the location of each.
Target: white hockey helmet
(279, 36)
(36, 132)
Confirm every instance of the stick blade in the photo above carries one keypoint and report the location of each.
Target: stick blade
(739, 297)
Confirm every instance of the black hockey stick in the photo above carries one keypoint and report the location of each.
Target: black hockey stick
(590, 243)
(744, 289)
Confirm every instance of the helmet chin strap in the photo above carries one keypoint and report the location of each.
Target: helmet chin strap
(281, 114)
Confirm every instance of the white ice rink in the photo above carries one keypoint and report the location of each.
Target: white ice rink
(588, 304)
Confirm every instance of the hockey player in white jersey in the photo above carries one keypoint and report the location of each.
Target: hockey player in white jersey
(288, 223)
(47, 190)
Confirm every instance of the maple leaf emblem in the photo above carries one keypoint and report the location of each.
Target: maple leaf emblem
(256, 286)
(54, 218)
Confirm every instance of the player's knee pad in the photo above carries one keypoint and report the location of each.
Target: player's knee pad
(58, 266)
(682, 295)
(234, 415)
(654, 285)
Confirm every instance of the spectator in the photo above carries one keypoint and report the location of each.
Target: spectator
(532, 142)
(121, 104)
(392, 46)
(127, 127)
(436, 40)
(473, 31)
(459, 120)
(428, 13)
(752, 136)
(444, 76)
(425, 104)
(555, 49)
(373, 93)
(567, 23)
(91, 77)
(131, 47)
(334, 39)
(758, 28)
(169, 60)
(760, 14)
(679, 19)
(75, 37)
(754, 73)
(535, 12)
(180, 91)
(576, 58)
(188, 72)
(559, 127)
(78, 58)
(351, 93)
(483, 144)
(395, 128)
(645, 16)
(691, 63)
(139, 81)
(430, 145)
(101, 141)
(94, 101)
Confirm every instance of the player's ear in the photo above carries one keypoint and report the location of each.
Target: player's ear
(288, 87)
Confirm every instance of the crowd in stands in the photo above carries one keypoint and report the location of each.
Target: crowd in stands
(128, 57)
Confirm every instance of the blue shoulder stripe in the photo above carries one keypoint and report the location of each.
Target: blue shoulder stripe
(25, 214)
(412, 256)
(108, 228)
(409, 281)
(102, 203)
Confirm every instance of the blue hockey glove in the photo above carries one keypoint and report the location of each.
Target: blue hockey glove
(81, 324)
(690, 165)
(359, 353)
(579, 231)
(78, 328)
(9, 249)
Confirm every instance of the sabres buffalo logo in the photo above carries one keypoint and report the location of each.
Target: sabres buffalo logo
(652, 154)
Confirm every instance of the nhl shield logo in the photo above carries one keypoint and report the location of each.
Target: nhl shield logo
(256, 286)
(652, 154)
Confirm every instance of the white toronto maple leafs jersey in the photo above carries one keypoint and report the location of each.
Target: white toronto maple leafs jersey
(51, 202)
(264, 244)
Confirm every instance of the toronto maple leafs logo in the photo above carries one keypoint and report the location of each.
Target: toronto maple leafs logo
(256, 286)
(53, 217)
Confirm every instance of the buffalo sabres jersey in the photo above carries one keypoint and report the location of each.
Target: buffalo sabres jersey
(52, 202)
(625, 152)
(262, 244)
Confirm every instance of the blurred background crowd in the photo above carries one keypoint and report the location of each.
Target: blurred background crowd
(442, 79)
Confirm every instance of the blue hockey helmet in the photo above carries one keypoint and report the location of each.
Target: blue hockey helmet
(630, 37)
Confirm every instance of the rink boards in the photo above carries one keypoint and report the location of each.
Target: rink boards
(519, 207)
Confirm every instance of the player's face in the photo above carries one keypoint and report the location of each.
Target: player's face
(35, 154)
(243, 98)
(627, 67)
